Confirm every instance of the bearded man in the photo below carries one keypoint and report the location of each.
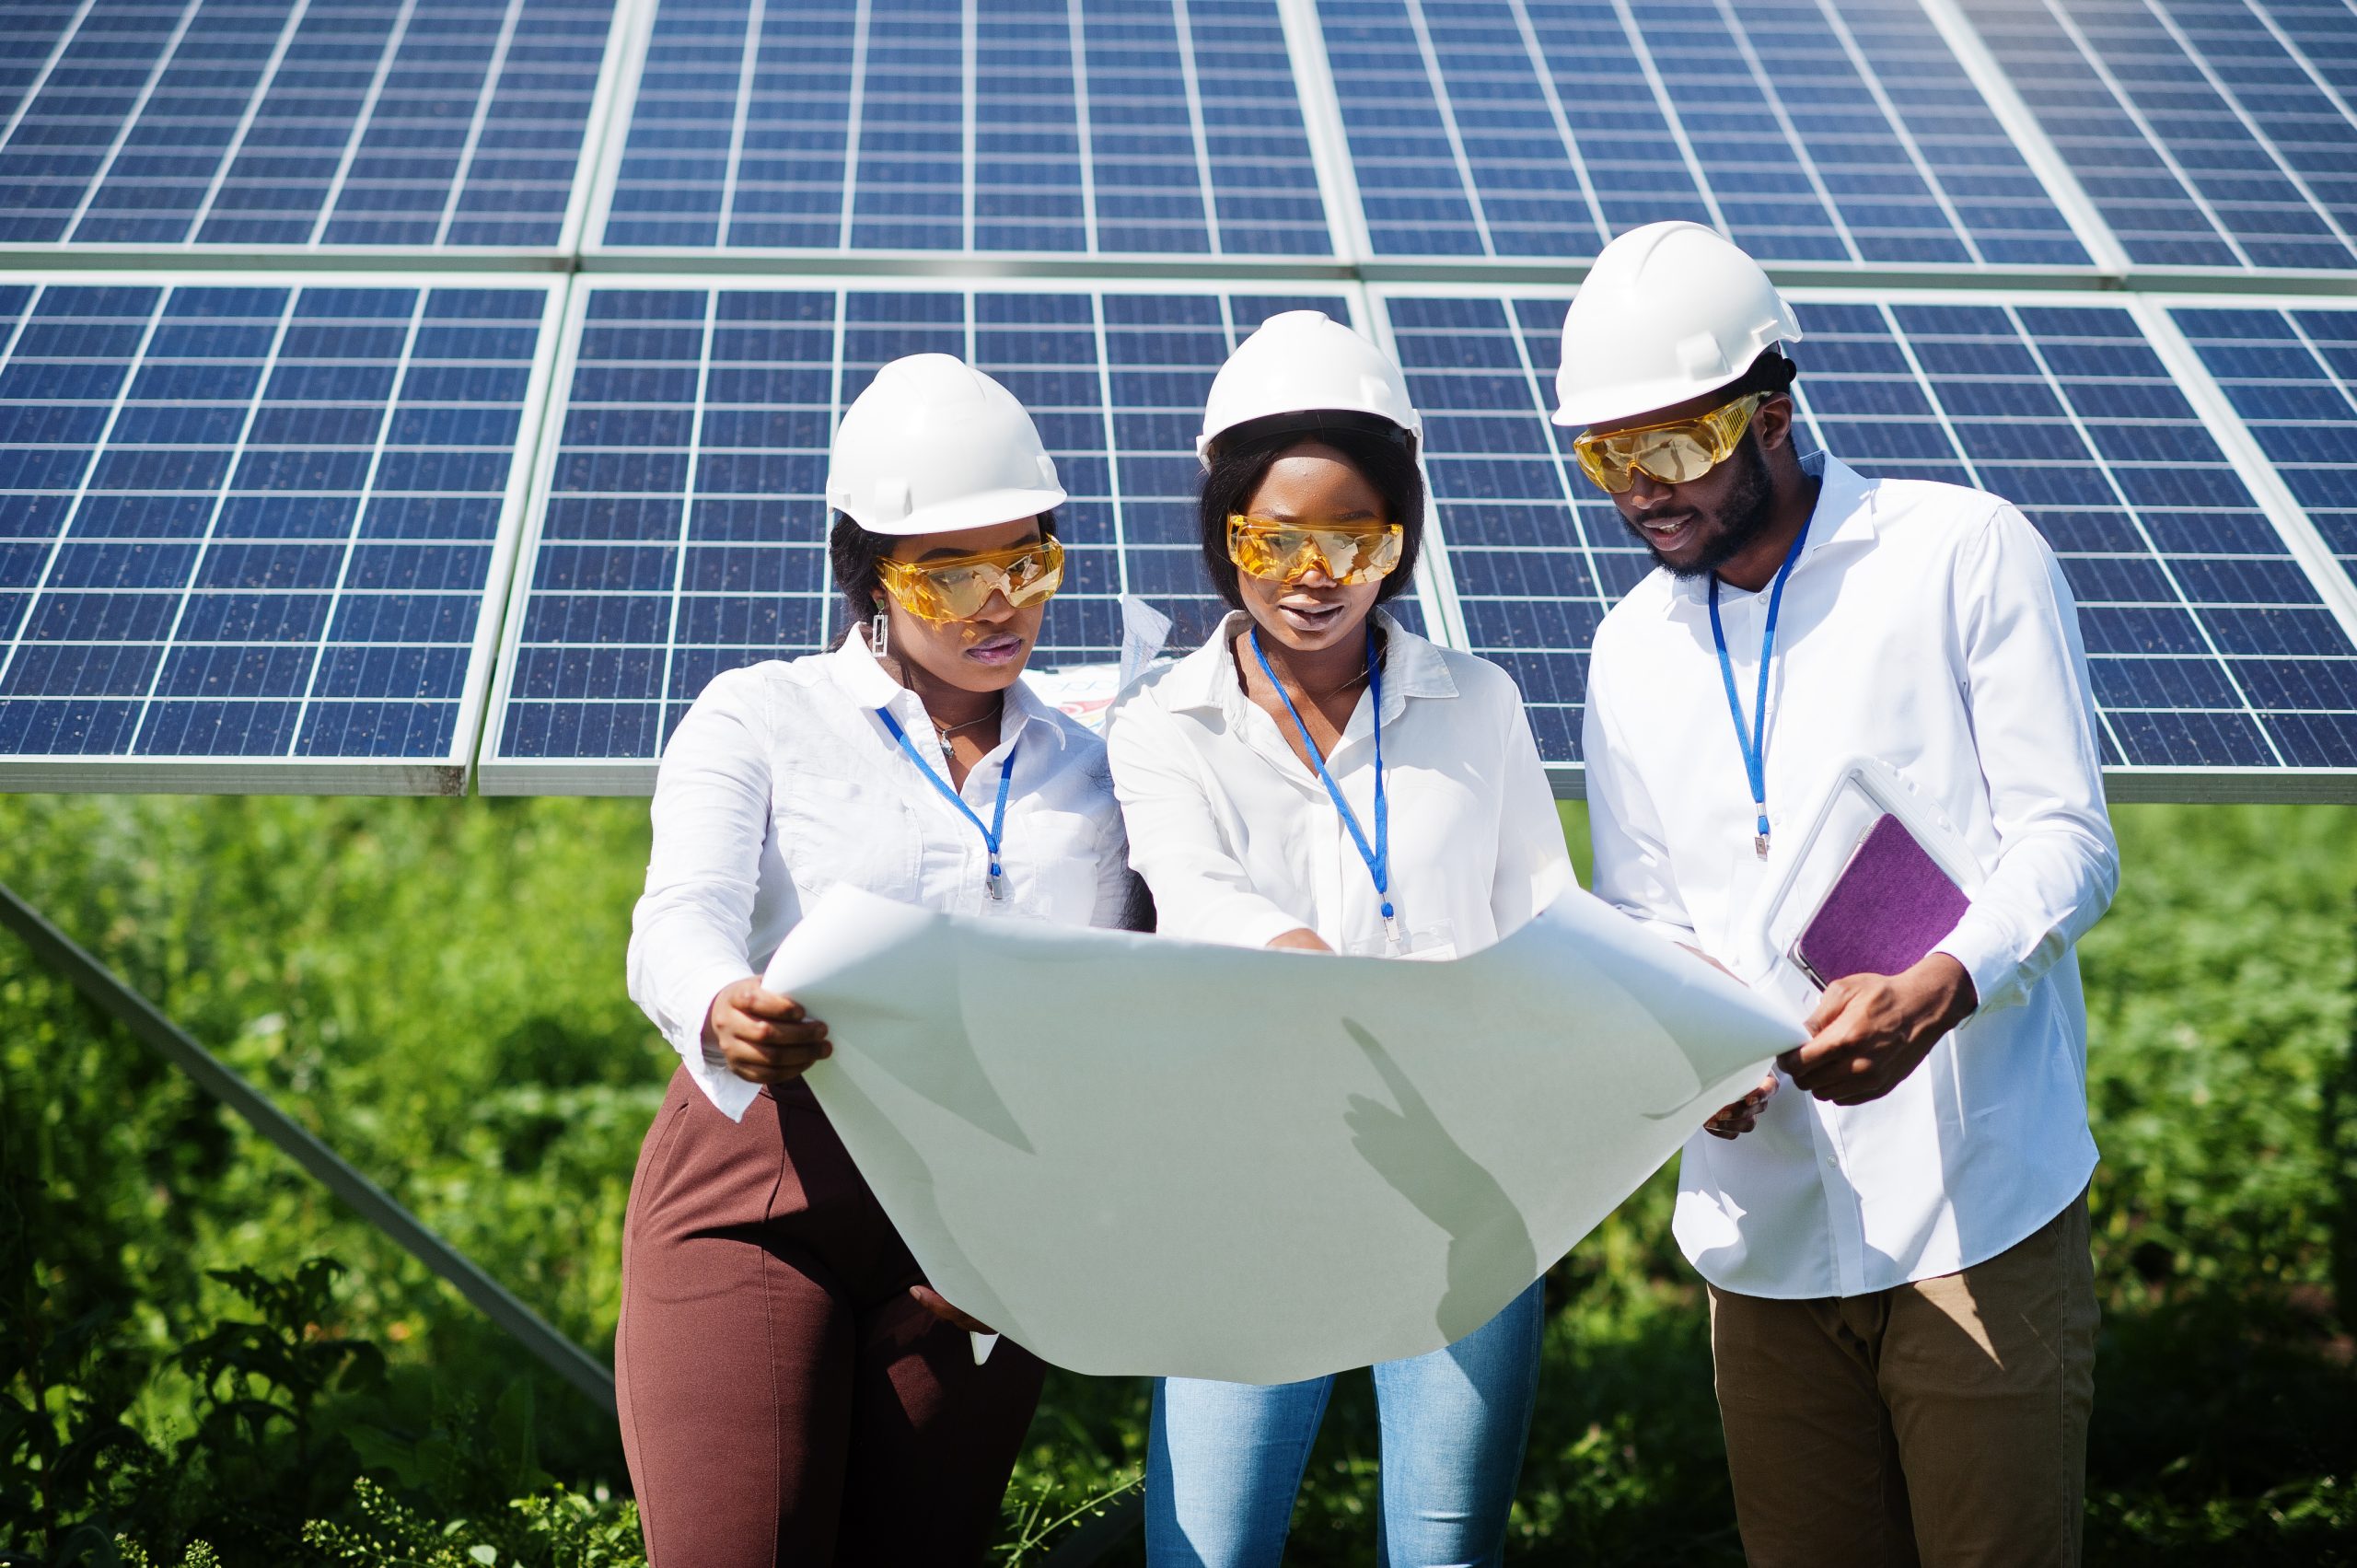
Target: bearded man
(1893, 1227)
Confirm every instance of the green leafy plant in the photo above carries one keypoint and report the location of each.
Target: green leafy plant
(173, 1391)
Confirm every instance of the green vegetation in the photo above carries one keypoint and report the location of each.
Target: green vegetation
(436, 987)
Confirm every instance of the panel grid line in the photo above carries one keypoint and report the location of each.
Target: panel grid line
(1077, 27)
(688, 497)
(2135, 518)
(1554, 97)
(164, 62)
(2300, 57)
(82, 487)
(1669, 110)
(260, 395)
(493, 71)
(1774, 99)
(368, 101)
(260, 95)
(1839, 25)
(66, 41)
(2234, 102)
(2136, 116)
(1938, 405)
(352, 536)
(1444, 103)
(1182, 26)
(854, 111)
(970, 28)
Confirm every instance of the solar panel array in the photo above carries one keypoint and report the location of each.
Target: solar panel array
(254, 521)
(2209, 133)
(2211, 647)
(928, 125)
(2292, 376)
(296, 122)
(530, 443)
(1832, 133)
(685, 528)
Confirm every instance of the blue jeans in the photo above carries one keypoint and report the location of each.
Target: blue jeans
(1224, 1460)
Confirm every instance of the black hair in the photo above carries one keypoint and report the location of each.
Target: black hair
(1772, 373)
(1380, 451)
(854, 554)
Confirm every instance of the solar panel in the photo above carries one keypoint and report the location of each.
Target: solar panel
(295, 122)
(1838, 134)
(2208, 133)
(247, 530)
(2292, 376)
(2211, 647)
(1094, 126)
(681, 524)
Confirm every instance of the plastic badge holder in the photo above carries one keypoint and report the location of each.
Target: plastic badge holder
(1863, 791)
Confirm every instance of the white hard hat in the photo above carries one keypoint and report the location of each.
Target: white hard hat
(934, 446)
(1668, 312)
(1303, 362)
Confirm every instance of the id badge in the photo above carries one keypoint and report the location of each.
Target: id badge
(1432, 944)
(1435, 941)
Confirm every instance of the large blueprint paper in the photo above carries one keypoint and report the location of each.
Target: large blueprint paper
(1136, 1155)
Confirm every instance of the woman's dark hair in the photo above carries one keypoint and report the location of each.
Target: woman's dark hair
(1376, 447)
(854, 553)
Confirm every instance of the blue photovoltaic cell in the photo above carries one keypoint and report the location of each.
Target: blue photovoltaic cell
(2210, 647)
(249, 522)
(685, 524)
(1845, 133)
(925, 125)
(2204, 137)
(2292, 375)
(408, 123)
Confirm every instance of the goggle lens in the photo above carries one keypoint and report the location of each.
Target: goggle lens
(956, 587)
(1285, 553)
(1674, 453)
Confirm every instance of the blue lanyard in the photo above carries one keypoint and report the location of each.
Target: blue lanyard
(1378, 859)
(1753, 738)
(994, 834)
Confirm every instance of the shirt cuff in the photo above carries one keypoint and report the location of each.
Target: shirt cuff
(1989, 954)
(732, 1094)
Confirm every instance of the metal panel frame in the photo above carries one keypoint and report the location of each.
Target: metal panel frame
(445, 774)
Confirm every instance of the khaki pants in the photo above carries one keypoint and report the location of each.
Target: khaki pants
(1942, 1422)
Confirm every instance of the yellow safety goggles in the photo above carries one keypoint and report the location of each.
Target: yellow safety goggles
(955, 587)
(1284, 553)
(1672, 452)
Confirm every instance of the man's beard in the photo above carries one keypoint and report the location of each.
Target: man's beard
(1749, 509)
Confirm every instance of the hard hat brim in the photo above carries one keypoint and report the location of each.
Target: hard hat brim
(979, 511)
(1612, 404)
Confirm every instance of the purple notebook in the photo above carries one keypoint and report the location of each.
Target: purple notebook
(1883, 914)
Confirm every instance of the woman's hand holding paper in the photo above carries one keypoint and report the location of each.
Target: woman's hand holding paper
(764, 1038)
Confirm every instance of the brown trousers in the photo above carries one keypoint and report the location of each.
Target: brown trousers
(783, 1399)
(1940, 1423)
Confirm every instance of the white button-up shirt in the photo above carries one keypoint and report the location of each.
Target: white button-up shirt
(781, 781)
(1929, 626)
(1239, 841)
